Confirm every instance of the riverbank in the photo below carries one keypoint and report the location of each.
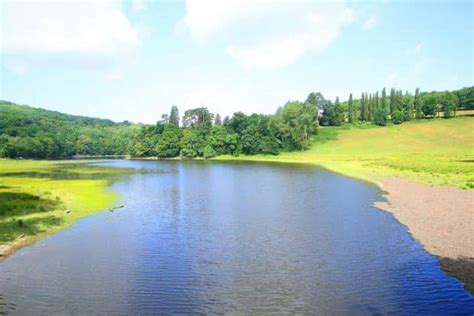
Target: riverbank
(39, 198)
(426, 170)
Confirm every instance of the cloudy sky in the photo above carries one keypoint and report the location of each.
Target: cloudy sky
(134, 59)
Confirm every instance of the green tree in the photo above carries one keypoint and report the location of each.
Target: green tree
(362, 108)
(351, 110)
(397, 117)
(174, 115)
(217, 119)
(168, 143)
(384, 101)
(449, 102)
(393, 101)
(380, 116)
(338, 118)
(418, 105)
(197, 116)
(407, 107)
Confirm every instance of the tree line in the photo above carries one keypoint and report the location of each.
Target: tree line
(36, 133)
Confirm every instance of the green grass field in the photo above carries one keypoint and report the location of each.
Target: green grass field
(436, 152)
(34, 196)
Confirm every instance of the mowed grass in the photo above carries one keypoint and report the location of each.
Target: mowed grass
(42, 197)
(436, 152)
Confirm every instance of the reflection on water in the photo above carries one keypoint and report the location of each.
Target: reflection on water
(206, 237)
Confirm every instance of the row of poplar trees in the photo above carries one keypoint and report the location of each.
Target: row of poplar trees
(380, 108)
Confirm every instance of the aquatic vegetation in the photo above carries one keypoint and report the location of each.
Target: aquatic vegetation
(41, 197)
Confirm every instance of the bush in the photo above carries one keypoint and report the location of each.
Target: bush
(209, 152)
(397, 117)
(188, 153)
(380, 117)
(429, 109)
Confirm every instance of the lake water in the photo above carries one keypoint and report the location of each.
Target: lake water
(208, 237)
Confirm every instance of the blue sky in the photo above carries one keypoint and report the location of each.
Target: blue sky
(134, 59)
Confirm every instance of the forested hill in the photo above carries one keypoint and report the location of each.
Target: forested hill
(37, 133)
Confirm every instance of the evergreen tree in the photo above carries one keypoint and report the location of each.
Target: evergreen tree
(369, 108)
(217, 119)
(174, 116)
(376, 101)
(383, 104)
(400, 100)
(393, 101)
(362, 107)
(351, 110)
(418, 105)
(338, 116)
(408, 107)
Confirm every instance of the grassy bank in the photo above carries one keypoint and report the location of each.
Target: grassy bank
(38, 198)
(436, 152)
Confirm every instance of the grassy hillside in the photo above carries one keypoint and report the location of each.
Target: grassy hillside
(438, 152)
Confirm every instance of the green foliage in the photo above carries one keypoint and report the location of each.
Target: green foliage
(36, 133)
(418, 104)
(429, 109)
(295, 124)
(197, 116)
(449, 102)
(465, 98)
(351, 110)
(168, 143)
(397, 117)
(174, 116)
(380, 116)
(338, 118)
(408, 107)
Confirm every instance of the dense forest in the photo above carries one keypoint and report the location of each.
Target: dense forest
(36, 133)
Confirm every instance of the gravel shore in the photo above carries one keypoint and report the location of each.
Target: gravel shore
(441, 218)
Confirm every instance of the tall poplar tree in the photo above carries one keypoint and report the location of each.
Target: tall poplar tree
(384, 100)
(418, 105)
(376, 101)
(351, 110)
(338, 117)
(393, 101)
(174, 116)
(362, 107)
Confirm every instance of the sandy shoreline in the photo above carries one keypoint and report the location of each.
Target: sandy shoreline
(441, 218)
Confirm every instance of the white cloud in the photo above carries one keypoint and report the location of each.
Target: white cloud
(139, 5)
(263, 33)
(370, 23)
(414, 51)
(91, 32)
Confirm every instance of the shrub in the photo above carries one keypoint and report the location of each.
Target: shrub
(380, 117)
(397, 117)
(209, 152)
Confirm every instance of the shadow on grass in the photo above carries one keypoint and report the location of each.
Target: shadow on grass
(11, 228)
(17, 204)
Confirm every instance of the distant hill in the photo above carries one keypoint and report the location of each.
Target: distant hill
(37, 133)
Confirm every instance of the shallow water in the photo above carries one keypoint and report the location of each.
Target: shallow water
(205, 237)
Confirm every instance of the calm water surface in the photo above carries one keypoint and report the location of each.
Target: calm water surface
(202, 237)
